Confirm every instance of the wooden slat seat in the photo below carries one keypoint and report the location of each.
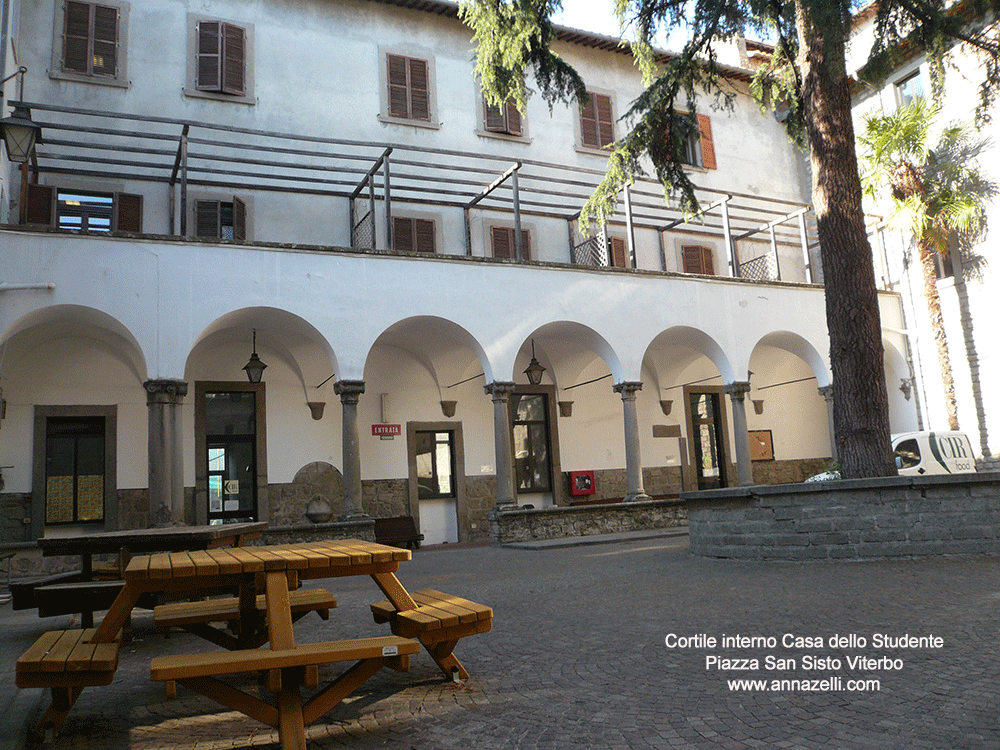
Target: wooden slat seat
(438, 622)
(250, 660)
(180, 614)
(67, 658)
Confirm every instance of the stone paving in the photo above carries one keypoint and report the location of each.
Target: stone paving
(577, 659)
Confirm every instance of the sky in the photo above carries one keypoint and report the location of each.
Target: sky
(597, 16)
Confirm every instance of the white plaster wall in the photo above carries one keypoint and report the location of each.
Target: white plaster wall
(316, 72)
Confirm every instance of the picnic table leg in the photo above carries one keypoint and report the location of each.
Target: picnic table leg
(119, 614)
(291, 728)
(394, 591)
(63, 699)
(442, 653)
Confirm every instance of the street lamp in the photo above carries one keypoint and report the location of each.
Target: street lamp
(20, 134)
(254, 368)
(534, 370)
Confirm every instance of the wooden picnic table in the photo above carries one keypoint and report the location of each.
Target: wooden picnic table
(79, 592)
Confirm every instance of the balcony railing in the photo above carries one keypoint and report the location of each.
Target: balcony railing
(375, 177)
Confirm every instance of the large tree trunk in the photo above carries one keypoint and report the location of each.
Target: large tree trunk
(860, 407)
(929, 269)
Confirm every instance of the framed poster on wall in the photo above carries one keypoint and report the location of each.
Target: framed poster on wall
(761, 447)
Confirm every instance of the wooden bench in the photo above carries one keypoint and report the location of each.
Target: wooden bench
(438, 622)
(288, 668)
(398, 530)
(65, 661)
(23, 591)
(195, 616)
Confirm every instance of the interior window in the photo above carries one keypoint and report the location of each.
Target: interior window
(88, 212)
(907, 454)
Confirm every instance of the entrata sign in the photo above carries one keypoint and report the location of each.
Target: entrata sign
(386, 430)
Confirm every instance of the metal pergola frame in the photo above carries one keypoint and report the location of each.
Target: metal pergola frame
(184, 153)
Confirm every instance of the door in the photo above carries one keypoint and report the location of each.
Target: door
(231, 443)
(74, 470)
(708, 439)
(437, 488)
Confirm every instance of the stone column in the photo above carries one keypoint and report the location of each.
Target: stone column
(349, 392)
(166, 468)
(826, 391)
(633, 457)
(500, 392)
(737, 393)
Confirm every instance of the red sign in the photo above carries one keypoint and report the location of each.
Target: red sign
(382, 430)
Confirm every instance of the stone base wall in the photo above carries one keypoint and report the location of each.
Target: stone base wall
(850, 519)
(480, 497)
(788, 472)
(318, 532)
(520, 525)
(385, 498)
(15, 508)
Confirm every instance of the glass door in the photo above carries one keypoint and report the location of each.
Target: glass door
(708, 440)
(231, 440)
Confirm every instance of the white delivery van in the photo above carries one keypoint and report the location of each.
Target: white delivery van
(924, 453)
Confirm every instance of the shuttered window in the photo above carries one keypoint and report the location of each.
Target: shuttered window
(697, 259)
(502, 240)
(90, 39)
(409, 88)
(618, 252)
(222, 55)
(707, 144)
(412, 235)
(220, 220)
(597, 122)
(505, 119)
(84, 211)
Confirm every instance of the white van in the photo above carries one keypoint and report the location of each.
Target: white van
(924, 453)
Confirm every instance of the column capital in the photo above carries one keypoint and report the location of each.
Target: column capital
(826, 391)
(627, 388)
(737, 390)
(499, 389)
(165, 391)
(349, 390)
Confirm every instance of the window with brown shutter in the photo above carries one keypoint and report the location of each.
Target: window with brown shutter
(597, 122)
(222, 54)
(618, 251)
(707, 144)
(412, 235)
(503, 245)
(90, 39)
(220, 220)
(409, 88)
(506, 119)
(697, 259)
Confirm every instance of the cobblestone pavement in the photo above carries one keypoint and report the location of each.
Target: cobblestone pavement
(577, 659)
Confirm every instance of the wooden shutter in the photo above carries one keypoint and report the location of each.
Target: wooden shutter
(128, 213)
(239, 219)
(420, 106)
(423, 235)
(588, 125)
(707, 144)
(501, 240)
(619, 256)
(698, 260)
(209, 72)
(402, 235)
(495, 122)
(234, 50)
(207, 217)
(399, 98)
(525, 244)
(605, 122)
(76, 37)
(40, 209)
(105, 51)
(514, 124)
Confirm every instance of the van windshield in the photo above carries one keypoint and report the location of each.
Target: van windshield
(907, 454)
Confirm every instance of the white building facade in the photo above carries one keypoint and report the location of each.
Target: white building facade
(969, 302)
(321, 183)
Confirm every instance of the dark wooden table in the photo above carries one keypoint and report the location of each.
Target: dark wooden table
(125, 544)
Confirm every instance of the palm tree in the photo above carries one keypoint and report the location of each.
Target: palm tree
(938, 196)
